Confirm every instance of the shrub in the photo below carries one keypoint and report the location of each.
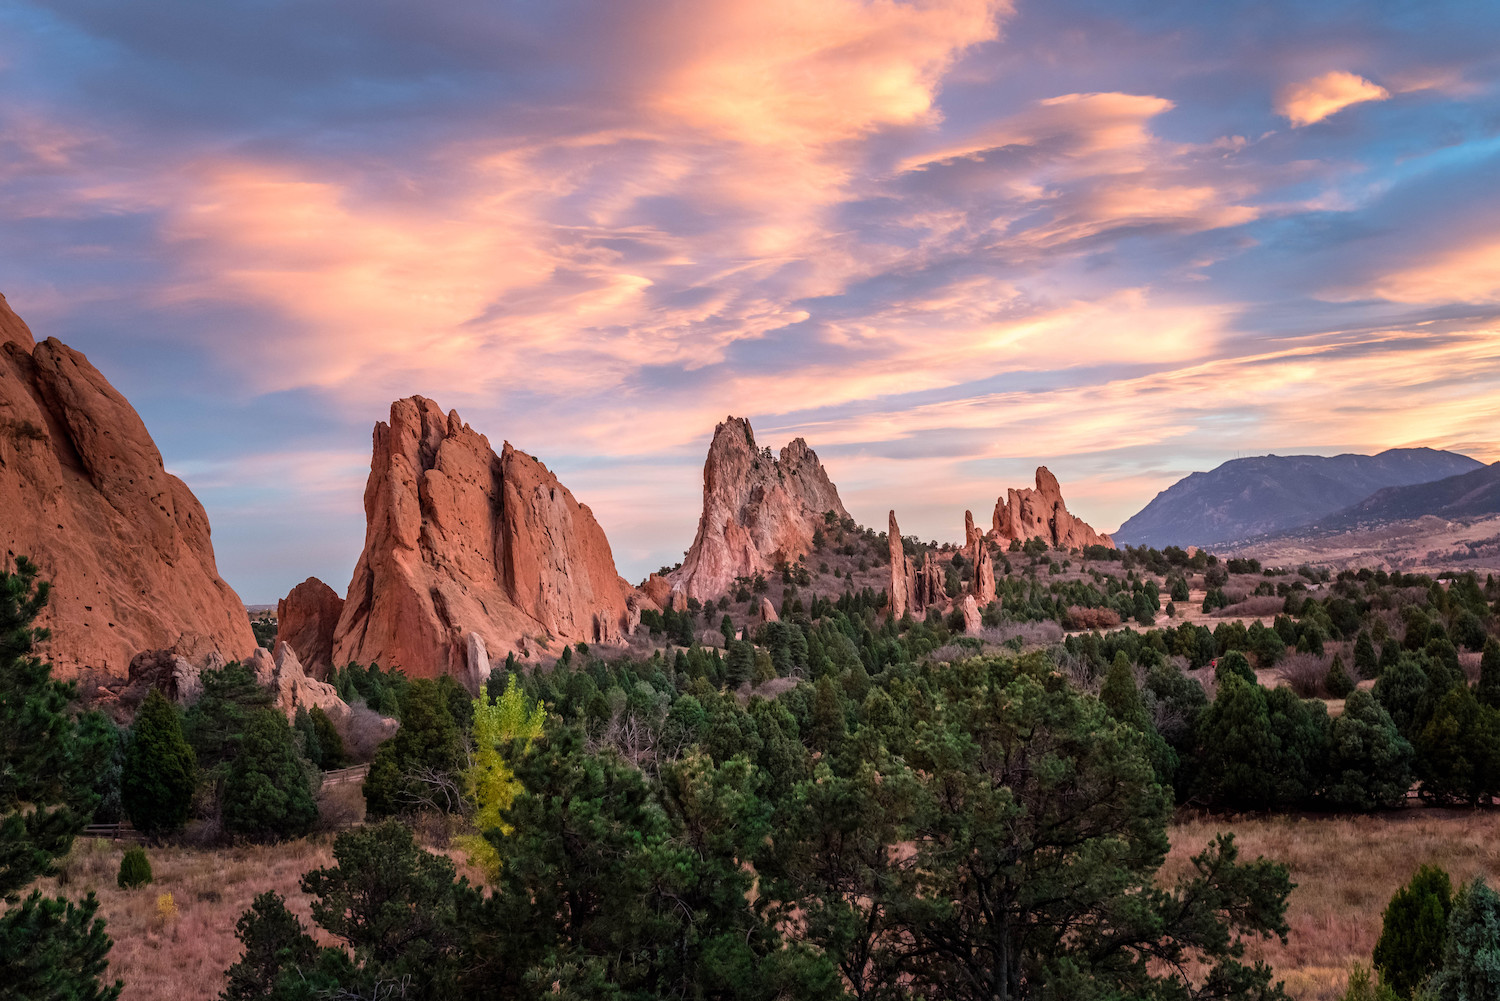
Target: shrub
(1414, 930)
(1234, 663)
(135, 869)
(1369, 762)
(1078, 617)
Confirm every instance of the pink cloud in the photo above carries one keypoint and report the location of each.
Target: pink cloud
(1313, 100)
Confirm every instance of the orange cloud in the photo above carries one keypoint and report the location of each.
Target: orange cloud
(1314, 100)
(1461, 274)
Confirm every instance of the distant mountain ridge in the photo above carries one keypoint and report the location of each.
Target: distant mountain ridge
(1271, 494)
(1468, 495)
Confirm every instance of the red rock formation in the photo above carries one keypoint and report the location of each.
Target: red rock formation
(927, 589)
(460, 540)
(900, 586)
(757, 510)
(1041, 513)
(306, 619)
(972, 620)
(983, 584)
(84, 494)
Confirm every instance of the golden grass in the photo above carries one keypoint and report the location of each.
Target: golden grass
(180, 949)
(1346, 869)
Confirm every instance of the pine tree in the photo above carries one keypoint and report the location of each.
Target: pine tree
(1337, 681)
(1366, 661)
(1120, 695)
(1413, 931)
(1470, 966)
(1488, 689)
(1369, 762)
(161, 772)
(267, 795)
(49, 947)
(330, 744)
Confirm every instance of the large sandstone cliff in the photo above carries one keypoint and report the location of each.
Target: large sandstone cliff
(757, 510)
(469, 554)
(1040, 513)
(84, 494)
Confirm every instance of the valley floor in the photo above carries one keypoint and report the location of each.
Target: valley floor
(1345, 870)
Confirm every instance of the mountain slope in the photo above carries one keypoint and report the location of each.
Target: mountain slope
(1468, 495)
(1276, 493)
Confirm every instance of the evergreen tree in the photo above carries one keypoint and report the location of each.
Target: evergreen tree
(278, 954)
(307, 737)
(1121, 697)
(1470, 966)
(49, 948)
(739, 666)
(267, 795)
(1369, 762)
(1488, 689)
(330, 745)
(1366, 661)
(1414, 930)
(420, 767)
(1399, 690)
(1234, 664)
(1337, 682)
(161, 772)
(1236, 746)
(1458, 751)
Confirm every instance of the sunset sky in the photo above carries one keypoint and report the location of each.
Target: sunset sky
(943, 240)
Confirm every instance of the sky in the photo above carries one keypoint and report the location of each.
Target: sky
(943, 240)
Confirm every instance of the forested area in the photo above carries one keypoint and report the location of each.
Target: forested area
(830, 804)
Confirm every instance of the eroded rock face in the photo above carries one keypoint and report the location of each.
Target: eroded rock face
(757, 510)
(972, 620)
(462, 540)
(900, 586)
(1040, 513)
(983, 584)
(83, 493)
(294, 689)
(768, 611)
(306, 619)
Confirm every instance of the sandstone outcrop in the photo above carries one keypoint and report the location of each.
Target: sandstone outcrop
(900, 585)
(970, 608)
(977, 554)
(768, 611)
(85, 495)
(757, 510)
(1040, 513)
(295, 690)
(460, 540)
(306, 619)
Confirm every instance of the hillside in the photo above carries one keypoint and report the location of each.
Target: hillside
(1269, 494)
(1468, 495)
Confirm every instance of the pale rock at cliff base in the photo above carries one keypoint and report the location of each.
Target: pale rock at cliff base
(758, 510)
(460, 540)
(478, 662)
(970, 608)
(768, 611)
(294, 689)
(85, 496)
(306, 619)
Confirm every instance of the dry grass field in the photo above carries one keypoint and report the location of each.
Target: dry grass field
(1346, 869)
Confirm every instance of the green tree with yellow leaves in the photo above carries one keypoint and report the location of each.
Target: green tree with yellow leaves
(492, 786)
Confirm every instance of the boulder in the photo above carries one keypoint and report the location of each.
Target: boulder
(306, 619)
(460, 540)
(85, 495)
(768, 611)
(176, 676)
(633, 613)
(294, 689)
(970, 608)
(1040, 513)
(758, 510)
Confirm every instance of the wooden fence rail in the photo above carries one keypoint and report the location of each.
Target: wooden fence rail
(341, 775)
(121, 831)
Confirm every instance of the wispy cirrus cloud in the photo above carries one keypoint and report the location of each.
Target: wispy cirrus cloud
(945, 239)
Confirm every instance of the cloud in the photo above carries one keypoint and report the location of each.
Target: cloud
(1314, 100)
